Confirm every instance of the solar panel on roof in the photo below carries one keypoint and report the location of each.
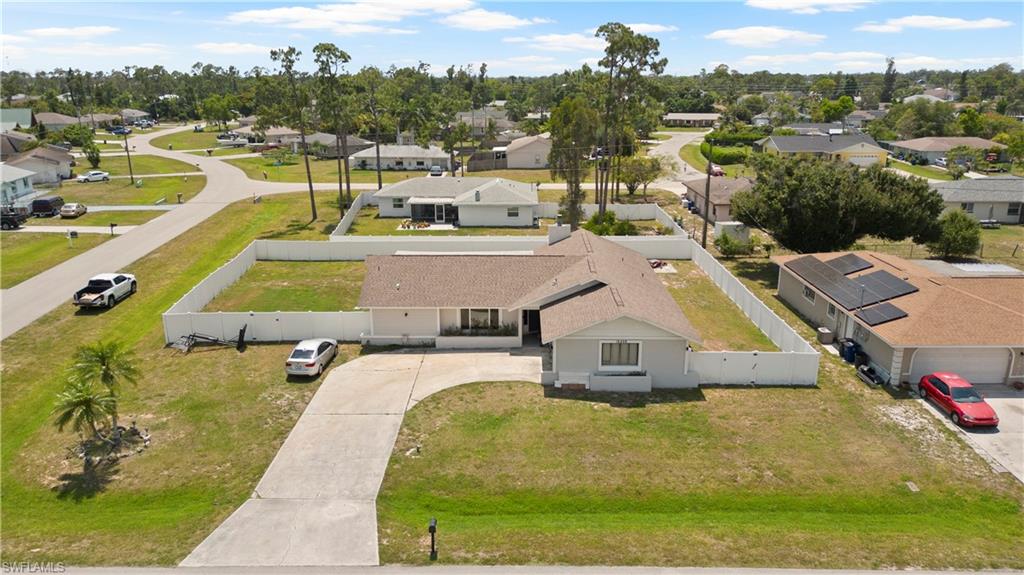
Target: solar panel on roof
(884, 285)
(850, 293)
(849, 264)
(879, 314)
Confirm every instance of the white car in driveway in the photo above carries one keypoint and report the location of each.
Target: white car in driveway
(94, 176)
(311, 356)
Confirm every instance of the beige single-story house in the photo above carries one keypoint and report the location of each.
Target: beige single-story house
(325, 145)
(857, 149)
(247, 121)
(49, 164)
(860, 118)
(912, 318)
(471, 201)
(100, 119)
(997, 198)
(401, 157)
(934, 147)
(690, 119)
(54, 122)
(529, 152)
(611, 323)
(133, 115)
(17, 184)
(271, 135)
(722, 190)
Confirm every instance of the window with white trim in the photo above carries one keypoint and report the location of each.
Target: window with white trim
(513, 212)
(398, 203)
(620, 355)
(1013, 209)
(831, 311)
(967, 207)
(808, 294)
(478, 318)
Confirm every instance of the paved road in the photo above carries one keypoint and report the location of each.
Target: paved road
(316, 503)
(684, 172)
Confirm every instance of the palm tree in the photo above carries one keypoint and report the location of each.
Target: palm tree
(80, 405)
(109, 364)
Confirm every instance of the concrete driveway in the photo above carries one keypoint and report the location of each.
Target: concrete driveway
(1003, 447)
(316, 503)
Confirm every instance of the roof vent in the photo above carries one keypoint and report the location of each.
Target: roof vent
(617, 298)
(398, 285)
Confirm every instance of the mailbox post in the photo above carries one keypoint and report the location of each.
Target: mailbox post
(433, 539)
(112, 226)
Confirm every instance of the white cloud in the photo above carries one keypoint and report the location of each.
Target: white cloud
(75, 33)
(810, 6)
(93, 49)
(932, 23)
(233, 48)
(642, 28)
(764, 36)
(12, 39)
(482, 20)
(352, 17)
(915, 62)
(573, 42)
(838, 60)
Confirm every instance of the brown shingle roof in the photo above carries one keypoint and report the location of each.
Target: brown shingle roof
(946, 311)
(941, 144)
(722, 188)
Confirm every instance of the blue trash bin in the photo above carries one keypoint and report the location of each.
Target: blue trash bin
(850, 351)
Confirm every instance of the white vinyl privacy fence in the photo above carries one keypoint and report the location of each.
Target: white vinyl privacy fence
(795, 364)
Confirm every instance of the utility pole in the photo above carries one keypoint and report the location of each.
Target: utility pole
(707, 195)
(128, 152)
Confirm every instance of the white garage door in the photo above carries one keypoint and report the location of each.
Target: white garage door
(977, 365)
(865, 160)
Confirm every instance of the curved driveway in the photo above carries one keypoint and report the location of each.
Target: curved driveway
(316, 503)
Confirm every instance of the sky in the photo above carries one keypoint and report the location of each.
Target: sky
(526, 38)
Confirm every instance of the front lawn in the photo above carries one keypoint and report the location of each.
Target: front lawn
(927, 172)
(24, 254)
(123, 192)
(121, 218)
(721, 324)
(293, 286)
(223, 152)
(142, 164)
(324, 171)
(217, 416)
(691, 154)
(189, 140)
(522, 175)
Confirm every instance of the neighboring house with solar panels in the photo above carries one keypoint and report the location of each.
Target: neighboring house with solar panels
(913, 318)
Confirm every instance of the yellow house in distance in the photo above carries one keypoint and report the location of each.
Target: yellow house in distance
(857, 149)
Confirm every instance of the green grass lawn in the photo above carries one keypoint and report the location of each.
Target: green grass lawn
(691, 154)
(142, 164)
(111, 147)
(189, 140)
(323, 171)
(714, 477)
(122, 218)
(1004, 245)
(721, 324)
(23, 254)
(927, 172)
(217, 416)
(223, 152)
(528, 176)
(294, 286)
(122, 191)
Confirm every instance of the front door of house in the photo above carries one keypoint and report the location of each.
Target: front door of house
(439, 213)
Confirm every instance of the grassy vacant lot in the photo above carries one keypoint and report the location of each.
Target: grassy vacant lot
(217, 416)
(1004, 245)
(122, 191)
(24, 254)
(664, 198)
(529, 176)
(294, 286)
(927, 172)
(323, 171)
(189, 140)
(736, 477)
(720, 322)
(144, 164)
(121, 218)
(690, 154)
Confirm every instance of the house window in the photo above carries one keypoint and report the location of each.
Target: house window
(478, 318)
(398, 203)
(1013, 209)
(399, 163)
(419, 163)
(967, 207)
(620, 355)
(808, 294)
(513, 212)
(831, 311)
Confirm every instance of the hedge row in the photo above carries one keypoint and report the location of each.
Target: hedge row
(724, 154)
(745, 138)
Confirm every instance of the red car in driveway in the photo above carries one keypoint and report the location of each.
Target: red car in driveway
(957, 397)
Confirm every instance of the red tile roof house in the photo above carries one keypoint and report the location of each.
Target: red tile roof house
(612, 324)
(916, 317)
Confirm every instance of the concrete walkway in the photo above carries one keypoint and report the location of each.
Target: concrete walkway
(118, 230)
(316, 503)
(134, 208)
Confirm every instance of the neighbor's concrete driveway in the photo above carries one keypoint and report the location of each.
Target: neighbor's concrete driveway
(1005, 445)
(316, 503)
